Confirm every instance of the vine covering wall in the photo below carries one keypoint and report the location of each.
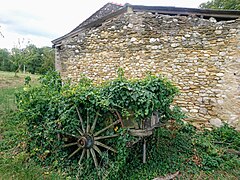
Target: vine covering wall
(201, 56)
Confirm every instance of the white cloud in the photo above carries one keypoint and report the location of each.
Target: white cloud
(43, 21)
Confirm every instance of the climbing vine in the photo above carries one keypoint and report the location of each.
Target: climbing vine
(50, 112)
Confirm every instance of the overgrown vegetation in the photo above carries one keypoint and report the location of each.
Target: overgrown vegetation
(50, 112)
(32, 136)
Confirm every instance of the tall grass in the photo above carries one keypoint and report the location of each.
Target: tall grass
(14, 159)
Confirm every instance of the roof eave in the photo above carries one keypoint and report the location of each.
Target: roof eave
(188, 11)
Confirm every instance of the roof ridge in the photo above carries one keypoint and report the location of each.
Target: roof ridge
(103, 11)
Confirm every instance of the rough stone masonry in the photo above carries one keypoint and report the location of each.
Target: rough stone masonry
(201, 56)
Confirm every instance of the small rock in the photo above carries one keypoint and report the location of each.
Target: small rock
(222, 53)
(200, 100)
(219, 74)
(220, 101)
(133, 39)
(232, 31)
(212, 113)
(152, 40)
(201, 70)
(203, 111)
(184, 109)
(213, 20)
(193, 110)
(218, 32)
(112, 27)
(175, 20)
(216, 122)
(130, 25)
(174, 45)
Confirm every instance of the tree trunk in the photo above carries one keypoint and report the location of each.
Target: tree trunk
(19, 66)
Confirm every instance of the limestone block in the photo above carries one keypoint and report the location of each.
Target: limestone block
(216, 122)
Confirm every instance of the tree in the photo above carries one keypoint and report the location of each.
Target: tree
(30, 58)
(33, 60)
(39, 60)
(5, 63)
(48, 57)
(17, 59)
(221, 4)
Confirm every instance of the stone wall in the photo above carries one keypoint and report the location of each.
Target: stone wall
(200, 56)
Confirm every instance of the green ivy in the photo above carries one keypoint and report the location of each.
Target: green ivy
(50, 111)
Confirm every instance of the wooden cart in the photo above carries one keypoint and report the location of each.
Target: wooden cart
(88, 141)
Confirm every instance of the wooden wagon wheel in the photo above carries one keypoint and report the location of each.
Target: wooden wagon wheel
(88, 141)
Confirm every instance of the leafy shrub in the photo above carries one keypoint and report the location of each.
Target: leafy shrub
(50, 112)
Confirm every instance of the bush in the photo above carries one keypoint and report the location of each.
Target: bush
(50, 112)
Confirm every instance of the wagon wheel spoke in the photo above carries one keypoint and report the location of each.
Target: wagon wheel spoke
(105, 146)
(82, 155)
(78, 149)
(88, 126)
(106, 137)
(97, 149)
(70, 144)
(88, 142)
(80, 132)
(94, 157)
(94, 123)
(88, 154)
(119, 117)
(81, 120)
(106, 128)
(72, 135)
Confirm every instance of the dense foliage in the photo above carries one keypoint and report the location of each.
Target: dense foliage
(173, 147)
(50, 111)
(29, 59)
(221, 4)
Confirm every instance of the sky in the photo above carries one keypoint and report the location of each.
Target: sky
(41, 21)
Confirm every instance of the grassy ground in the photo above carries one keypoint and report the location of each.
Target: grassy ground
(14, 161)
(16, 164)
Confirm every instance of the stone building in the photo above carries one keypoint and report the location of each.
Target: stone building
(195, 48)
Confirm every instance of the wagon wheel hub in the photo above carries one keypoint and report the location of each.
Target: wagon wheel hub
(85, 141)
